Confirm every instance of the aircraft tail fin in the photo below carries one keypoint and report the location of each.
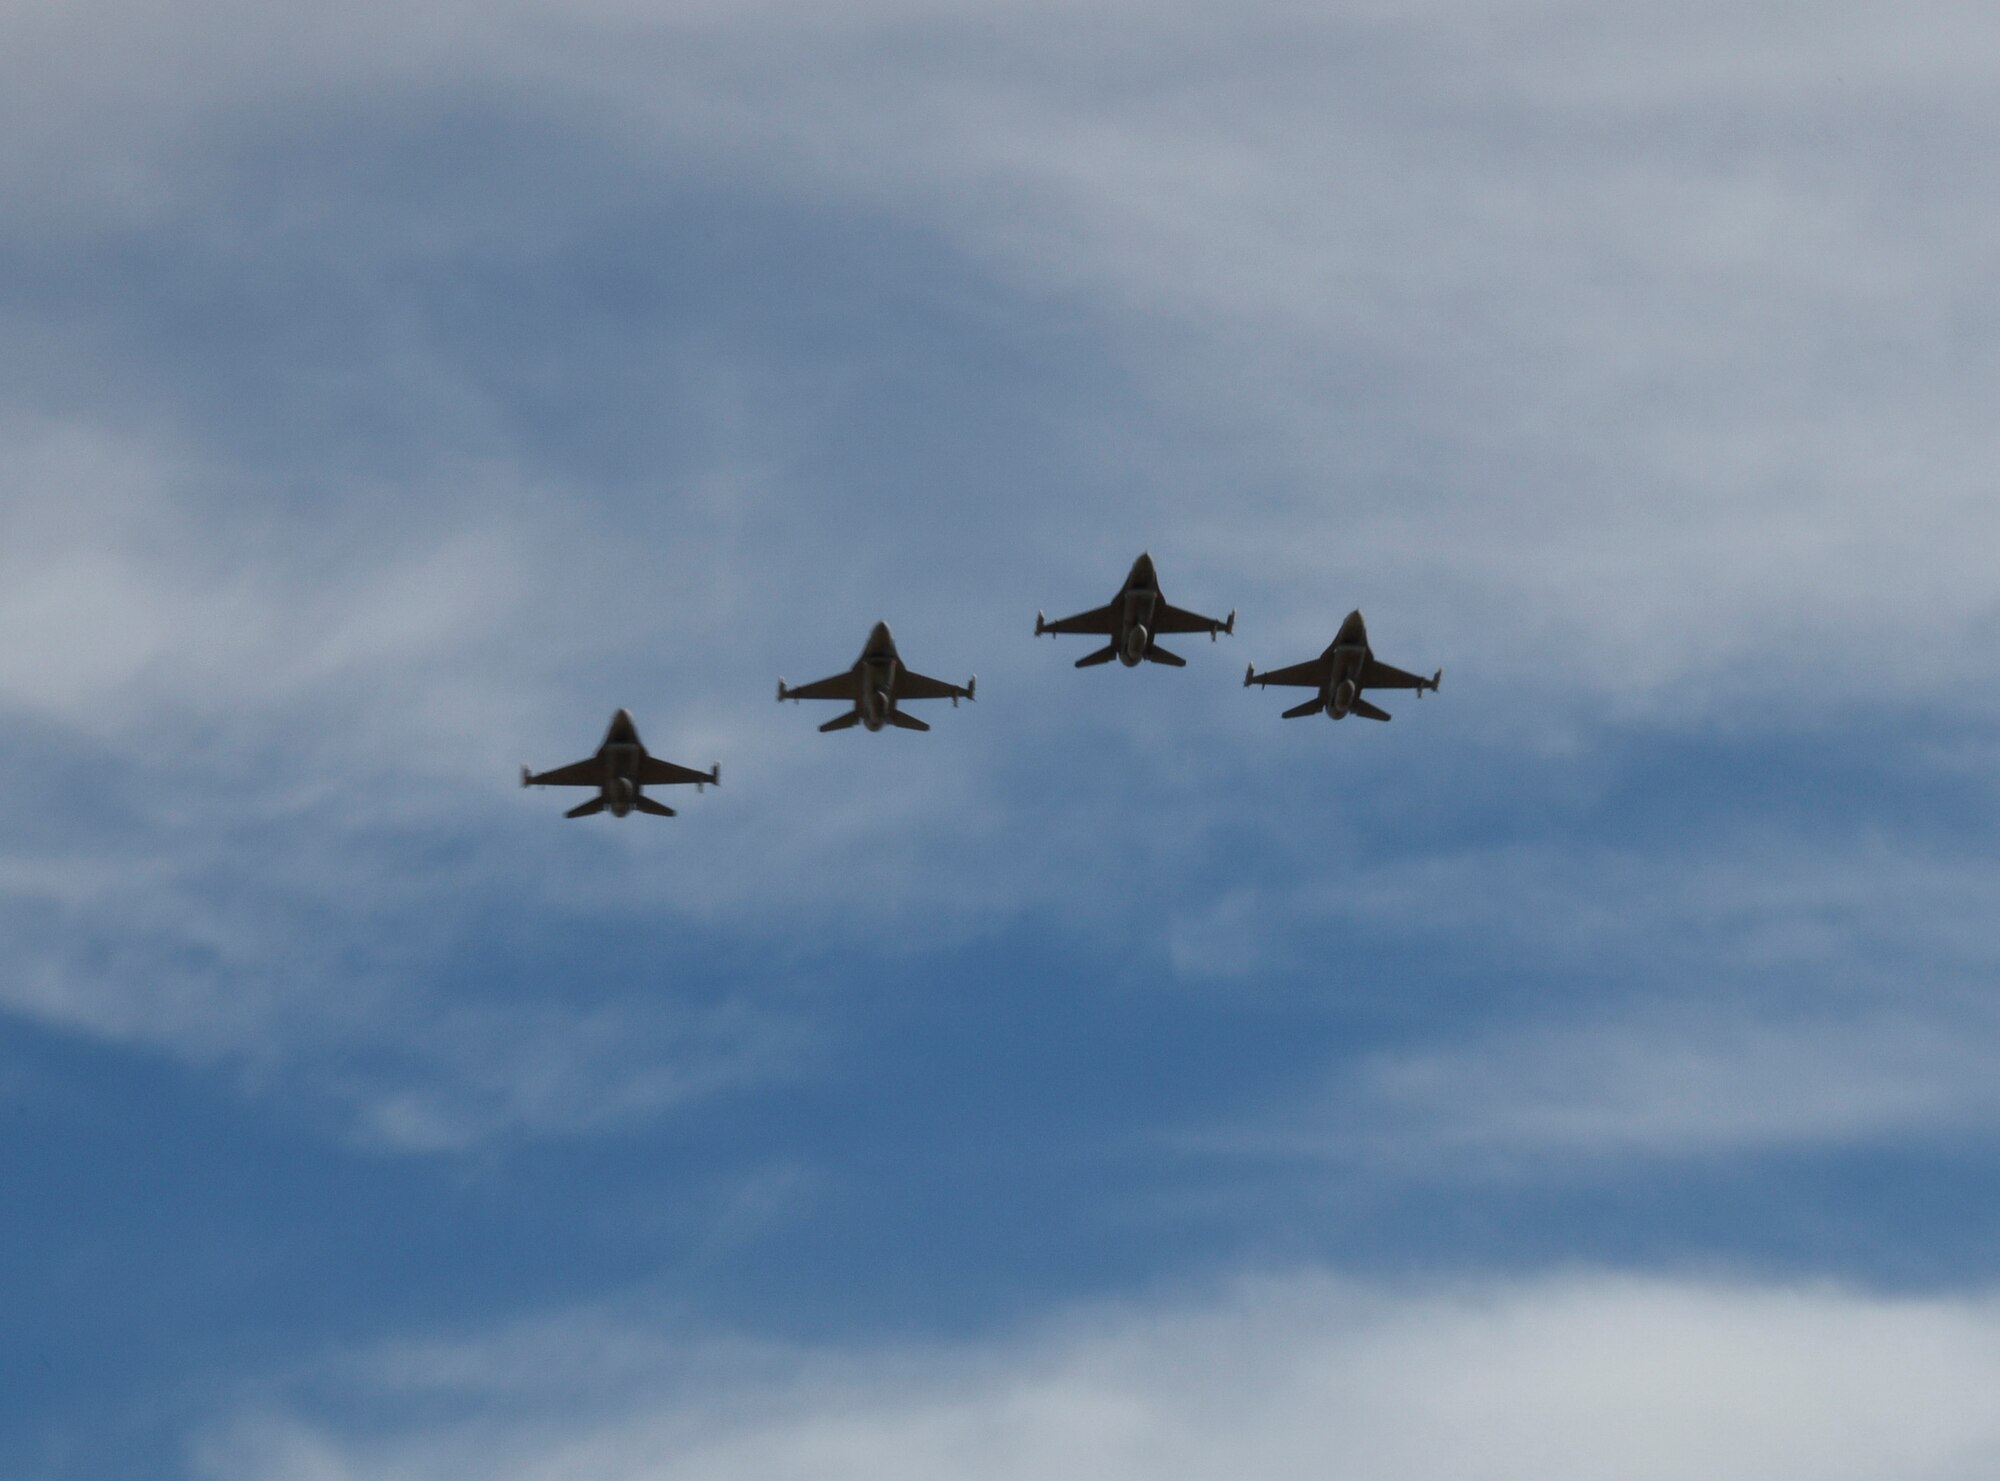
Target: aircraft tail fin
(1156, 654)
(657, 809)
(1102, 655)
(1366, 710)
(1310, 707)
(842, 722)
(905, 722)
(585, 809)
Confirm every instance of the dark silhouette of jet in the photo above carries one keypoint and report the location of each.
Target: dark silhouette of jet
(621, 769)
(1340, 674)
(1133, 619)
(876, 685)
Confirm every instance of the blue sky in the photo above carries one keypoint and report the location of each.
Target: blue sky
(1588, 1073)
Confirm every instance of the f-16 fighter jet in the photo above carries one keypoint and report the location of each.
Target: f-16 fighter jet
(1340, 674)
(1136, 616)
(876, 685)
(620, 769)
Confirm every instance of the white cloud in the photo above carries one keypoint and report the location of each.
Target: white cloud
(1301, 1376)
(1748, 898)
(1542, 1102)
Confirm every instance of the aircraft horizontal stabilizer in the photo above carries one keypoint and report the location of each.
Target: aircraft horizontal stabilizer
(1156, 654)
(841, 722)
(905, 722)
(1102, 655)
(1368, 711)
(585, 809)
(1310, 707)
(657, 809)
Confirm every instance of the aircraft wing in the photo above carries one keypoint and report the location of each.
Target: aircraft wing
(911, 685)
(577, 774)
(840, 686)
(1099, 620)
(1168, 619)
(653, 772)
(1308, 675)
(1385, 676)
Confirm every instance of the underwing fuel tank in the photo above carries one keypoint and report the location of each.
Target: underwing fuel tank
(1135, 646)
(875, 708)
(1342, 701)
(621, 797)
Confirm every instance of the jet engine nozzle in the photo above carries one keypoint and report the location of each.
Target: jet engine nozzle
(1135, 646)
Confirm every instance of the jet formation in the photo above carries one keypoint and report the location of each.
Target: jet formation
(877, 683)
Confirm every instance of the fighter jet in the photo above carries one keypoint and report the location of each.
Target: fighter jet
(1340, 674)
(1134, 618)
(876, 685)
(620, 770)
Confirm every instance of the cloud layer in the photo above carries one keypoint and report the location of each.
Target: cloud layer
(1627, 365)
(1294, 1377)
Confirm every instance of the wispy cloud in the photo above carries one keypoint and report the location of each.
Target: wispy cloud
(1556, 1102)
(1754, 996)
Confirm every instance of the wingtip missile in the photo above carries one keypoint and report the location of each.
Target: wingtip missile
(525, 774)
(1249, 676)
(781, 690)
(1228, 625)
(1041, 624)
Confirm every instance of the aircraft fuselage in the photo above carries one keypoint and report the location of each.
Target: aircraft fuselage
(878, 689)
(621, 778)
(1136, 623)
(1346, 662)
